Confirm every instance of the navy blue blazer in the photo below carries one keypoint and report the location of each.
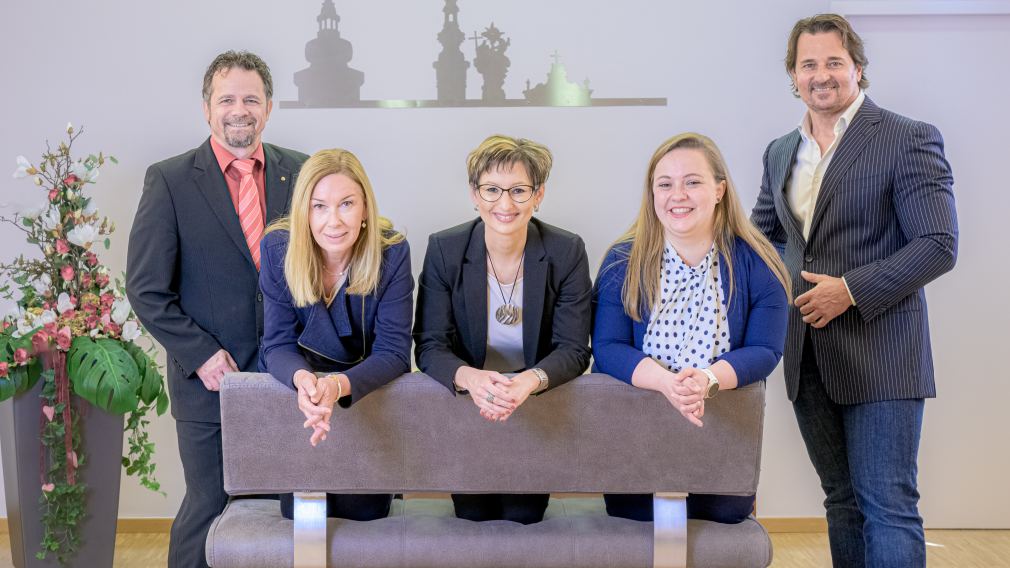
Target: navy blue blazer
(451, 327)
(317, 338)
(756, 317)
(885, 220)
(189, 274)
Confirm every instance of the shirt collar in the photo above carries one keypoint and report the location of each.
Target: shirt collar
(841, 124)
(225, 157)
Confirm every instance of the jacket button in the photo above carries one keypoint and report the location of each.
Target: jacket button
(809, 258)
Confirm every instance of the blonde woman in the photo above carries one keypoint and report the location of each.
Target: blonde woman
(691, 300)
(337, 302)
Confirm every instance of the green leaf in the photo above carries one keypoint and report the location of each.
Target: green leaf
(113, 159)
(107, 243)
(151, 381)
(162, 402)
(103, 373)
(27, 221)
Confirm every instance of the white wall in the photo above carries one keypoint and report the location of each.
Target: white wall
(130, 73)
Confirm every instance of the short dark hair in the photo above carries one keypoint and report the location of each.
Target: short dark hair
(244, 60)
(826, 23)
(499, 150)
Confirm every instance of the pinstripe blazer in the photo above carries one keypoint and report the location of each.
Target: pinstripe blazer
(885, 220)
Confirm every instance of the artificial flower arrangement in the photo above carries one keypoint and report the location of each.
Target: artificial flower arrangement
(73, 328)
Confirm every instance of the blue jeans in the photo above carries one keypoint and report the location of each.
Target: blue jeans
(865, 455)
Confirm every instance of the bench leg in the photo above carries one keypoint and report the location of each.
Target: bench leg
(310, 530)
(669, 537)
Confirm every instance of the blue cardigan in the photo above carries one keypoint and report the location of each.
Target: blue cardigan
(317, 338)
(757, 317)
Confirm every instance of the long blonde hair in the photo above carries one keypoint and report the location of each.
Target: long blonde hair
(304, 268)
(645, 259)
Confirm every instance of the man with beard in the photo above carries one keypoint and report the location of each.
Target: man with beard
(193, 270)
(861, 200)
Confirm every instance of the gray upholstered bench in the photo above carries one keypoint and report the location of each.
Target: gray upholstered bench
(593, 435)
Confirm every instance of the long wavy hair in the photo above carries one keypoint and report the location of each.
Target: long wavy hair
(304, 268)
(645, 258)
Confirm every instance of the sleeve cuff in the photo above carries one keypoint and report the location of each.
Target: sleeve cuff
(849, 291)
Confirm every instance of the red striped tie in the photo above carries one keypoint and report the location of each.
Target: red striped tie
(249, 214)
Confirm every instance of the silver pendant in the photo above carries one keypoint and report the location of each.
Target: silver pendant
(508, 314)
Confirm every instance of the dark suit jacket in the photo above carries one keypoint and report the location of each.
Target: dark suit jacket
(332, 339)
(190, 276)
(450, 329)
(885, 220)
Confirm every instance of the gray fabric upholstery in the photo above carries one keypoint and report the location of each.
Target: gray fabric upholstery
(425, 533)
(595, 434)
(592, 435)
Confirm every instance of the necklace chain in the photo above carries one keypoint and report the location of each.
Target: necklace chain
(509, 313)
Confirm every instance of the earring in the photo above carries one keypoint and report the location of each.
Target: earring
(474, 207)
(364, 224)
(536, 208)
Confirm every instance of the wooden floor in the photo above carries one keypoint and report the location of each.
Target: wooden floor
(960, 549)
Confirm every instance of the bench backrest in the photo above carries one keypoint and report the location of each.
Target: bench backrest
(594, 434)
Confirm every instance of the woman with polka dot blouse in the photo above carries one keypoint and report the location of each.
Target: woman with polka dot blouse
(690, 300)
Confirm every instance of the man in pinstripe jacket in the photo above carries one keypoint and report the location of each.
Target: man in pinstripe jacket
(860, 201)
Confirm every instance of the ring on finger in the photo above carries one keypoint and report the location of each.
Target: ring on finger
(489, 397)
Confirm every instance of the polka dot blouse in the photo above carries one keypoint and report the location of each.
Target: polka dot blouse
(688, 326)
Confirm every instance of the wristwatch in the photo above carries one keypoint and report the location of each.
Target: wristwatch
(713, 383)
(542, 376)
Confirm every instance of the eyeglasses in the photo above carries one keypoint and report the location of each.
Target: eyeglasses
(519, 193)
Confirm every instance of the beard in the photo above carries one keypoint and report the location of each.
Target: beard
(241, 137)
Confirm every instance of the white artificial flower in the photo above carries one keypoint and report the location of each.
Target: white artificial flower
(120, 310)
(51, 219)
(131, 330)
(83, 235)
(33, 210)
(93, 332)
(42, 283)
(24, 327)
(47, 316)
(83, 172)
(63, 303)
(23, 166)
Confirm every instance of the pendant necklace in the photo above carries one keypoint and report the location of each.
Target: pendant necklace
(508, 313)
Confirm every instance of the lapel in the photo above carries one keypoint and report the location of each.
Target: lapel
(325, 326)
(854, 141)
(209, 178)
(534, 287)
(277, 177)
(782, 167)
(475, 293)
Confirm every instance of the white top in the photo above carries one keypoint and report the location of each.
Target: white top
(810, 165)
(504, 342)
(688, 326)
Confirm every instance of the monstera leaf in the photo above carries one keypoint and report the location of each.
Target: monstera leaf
(104, 373)
(21, 378)
(151, 380)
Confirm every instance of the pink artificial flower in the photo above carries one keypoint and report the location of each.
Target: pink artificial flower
(3, 368)
(6, 324)
(40, 341)
(106, 319)
(53, 194)
(102, 280)
(50, 328)
(86, 279)
(90, 308)
(90, 322)
(63, 338)
(20, 356)
(49, 411)
(107, 299)
(91, 258)
(72, 457)
(62, 246)
(48, 487)
(113, 328)
(67, 273)
(70, 179)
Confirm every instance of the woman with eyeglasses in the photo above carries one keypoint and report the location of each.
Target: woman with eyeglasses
(337, 303)
(691, 300)
(503, 306)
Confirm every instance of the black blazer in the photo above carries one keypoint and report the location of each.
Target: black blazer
(190, 276)
(450, 329)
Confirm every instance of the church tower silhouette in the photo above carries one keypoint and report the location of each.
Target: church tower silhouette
(450, 69)
(328, 80)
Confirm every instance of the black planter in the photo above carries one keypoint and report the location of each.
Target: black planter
(101, 442)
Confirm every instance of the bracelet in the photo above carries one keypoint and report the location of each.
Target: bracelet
(340, 387)
(542, 377)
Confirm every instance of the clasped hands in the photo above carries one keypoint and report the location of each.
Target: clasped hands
(316, 397)
(496, 395)
(686, 392)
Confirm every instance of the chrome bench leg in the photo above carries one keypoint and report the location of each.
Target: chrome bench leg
(310, 530)
(669, 537)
